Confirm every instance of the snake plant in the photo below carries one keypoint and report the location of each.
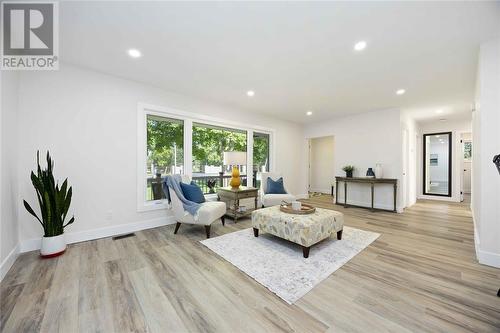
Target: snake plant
(54, 201)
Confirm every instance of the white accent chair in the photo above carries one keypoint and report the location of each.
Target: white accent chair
(209, 212)
(268, 200)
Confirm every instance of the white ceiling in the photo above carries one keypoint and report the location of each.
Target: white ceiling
(296, 56)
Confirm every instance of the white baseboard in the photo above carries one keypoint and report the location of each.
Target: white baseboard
(321, 190)
(488, 258)
(476, 234)
(8, 261)
(484, 257)
(437, 197)
(81, 236)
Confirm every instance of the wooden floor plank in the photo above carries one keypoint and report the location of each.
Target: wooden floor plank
(159, 312)
(127, 313)
(420, 275)
(61, 314)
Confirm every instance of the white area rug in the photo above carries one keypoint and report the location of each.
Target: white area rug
(279, 265)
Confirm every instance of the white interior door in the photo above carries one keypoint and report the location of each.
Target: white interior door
(467, 177)
(321, 167)
(404, 185)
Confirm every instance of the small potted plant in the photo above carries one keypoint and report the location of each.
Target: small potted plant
(348, 170)
(54, 202)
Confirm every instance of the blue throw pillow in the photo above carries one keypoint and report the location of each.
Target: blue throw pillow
(275, 187)
(192, 192)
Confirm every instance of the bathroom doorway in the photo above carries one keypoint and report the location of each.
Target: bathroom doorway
(321, 166)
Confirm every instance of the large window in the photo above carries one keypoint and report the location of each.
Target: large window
(209, 144)
(202, 147)
(467, 150)
(260, 156)
(165, 152)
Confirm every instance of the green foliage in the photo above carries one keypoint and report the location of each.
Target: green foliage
(54, 201)
(210, 143)
(348, 168)
(162, 137)
(467, 150)
(261, 151)
(166, 136)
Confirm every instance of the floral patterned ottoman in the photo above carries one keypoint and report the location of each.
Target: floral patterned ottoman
(305, 230)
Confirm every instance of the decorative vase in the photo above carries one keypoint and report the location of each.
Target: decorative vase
(369, 173)
(348, 174)
(53, 246)
(235, 178)
(378, 171)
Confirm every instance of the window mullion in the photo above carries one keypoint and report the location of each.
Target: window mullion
(188, 147)
(249, 158)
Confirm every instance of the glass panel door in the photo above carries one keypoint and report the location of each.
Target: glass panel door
(437, 164)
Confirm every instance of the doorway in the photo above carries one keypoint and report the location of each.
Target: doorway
(404, 183)
(321, 167)
(466, 162)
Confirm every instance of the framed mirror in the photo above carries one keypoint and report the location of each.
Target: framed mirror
(437, 164)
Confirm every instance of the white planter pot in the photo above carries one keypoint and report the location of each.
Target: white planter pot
(53, 246)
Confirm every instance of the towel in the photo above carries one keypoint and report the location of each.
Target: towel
(173, 182)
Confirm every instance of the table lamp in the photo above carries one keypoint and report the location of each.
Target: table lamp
(235, 159)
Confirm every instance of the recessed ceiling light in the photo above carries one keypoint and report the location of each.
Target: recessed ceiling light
(359, 46)
(437, 136)
(400, 92)
(439, 111)
(250, 93)
(134, 53)
(309, 113)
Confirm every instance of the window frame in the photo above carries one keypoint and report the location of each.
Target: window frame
(464, 141)
(188, 118)
(268, 151)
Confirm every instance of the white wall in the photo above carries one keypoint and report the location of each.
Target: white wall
(9, 195)
(364, 140)
(456, 127)
(88, 121)
(321, 158)
(486, 144)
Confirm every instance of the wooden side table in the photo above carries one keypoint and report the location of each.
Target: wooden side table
(232, 195)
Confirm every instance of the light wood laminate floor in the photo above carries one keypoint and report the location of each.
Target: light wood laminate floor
(419, 276)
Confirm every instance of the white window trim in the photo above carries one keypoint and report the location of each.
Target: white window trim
(144, 109)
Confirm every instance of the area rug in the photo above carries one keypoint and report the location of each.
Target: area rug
(279, 265)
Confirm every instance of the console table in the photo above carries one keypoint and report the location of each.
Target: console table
(365, 180)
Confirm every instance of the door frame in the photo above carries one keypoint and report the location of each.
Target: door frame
(462, 163)
(406, 164)
(450, 164)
